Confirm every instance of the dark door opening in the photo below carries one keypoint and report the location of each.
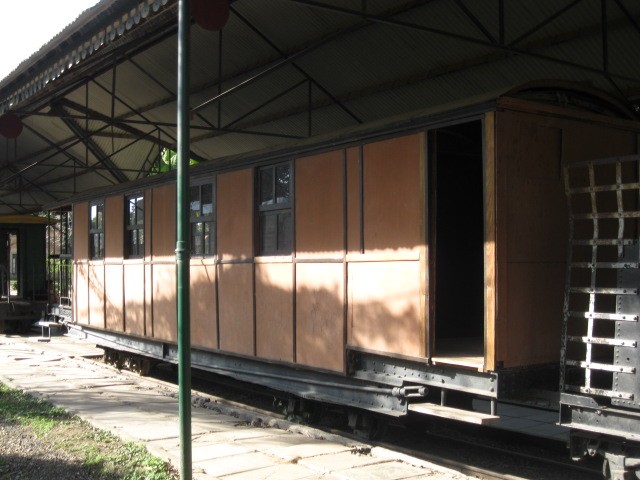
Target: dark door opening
(9, 265)
(458, 231)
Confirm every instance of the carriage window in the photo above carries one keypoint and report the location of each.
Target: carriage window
(134, 218)
(275, 184)
(202, 219)
(96, 230)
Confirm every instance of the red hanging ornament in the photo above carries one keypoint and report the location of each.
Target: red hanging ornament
(210, 14)
(10, 125)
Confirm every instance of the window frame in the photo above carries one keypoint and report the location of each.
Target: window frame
(274, 209)
(204, 219)
(98, 230)
(129, 250)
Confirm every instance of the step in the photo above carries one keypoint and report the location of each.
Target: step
(453, 413)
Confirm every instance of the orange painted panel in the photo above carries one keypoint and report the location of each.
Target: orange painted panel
(148, 304)
(392, 194)
(203, 306)
(114, 279)
(319, 205)
(384, 307)
(532, 226)
(235, 214)
(114, 227)
(235, 292)
(274, 311)
(535, 326)
(96, 296)
(134, 298)
(165, 322)
(81, 305)
(163, 223)
(81, 231)
(353, 201)
(320, 315)
(590, 142)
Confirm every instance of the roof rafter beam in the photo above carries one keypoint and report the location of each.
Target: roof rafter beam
(282, 54)
(504, 48)
(92, 146)
(475, 21)
(544, 23)
(125, 126)
(58, 150)
(280, 63)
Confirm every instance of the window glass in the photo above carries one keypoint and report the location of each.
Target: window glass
(96, 230)
(194, 199)
(275, 221)
(202, 231)
(207, 199)
(266, 186)
(282, 184)
(135, 226)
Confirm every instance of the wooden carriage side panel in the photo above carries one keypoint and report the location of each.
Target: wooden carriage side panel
(391, 175)
(319, 206)
(80, 257)
(134, 298)
(384, 307)
(320, 315)
(114, 275)
(163, 221)
(354, 202)
(81, 288)
(532, 214)
(274, 311)
(387, 285)
(165, 325)
(532, 238)
(81, 231)
(236, 298)
(235, 215)
(96, 295)
(590, 142)
(148, 299)
(204, 332)
(114, 228)
(490, 246)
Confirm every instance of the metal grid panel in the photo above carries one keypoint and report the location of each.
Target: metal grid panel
(601, 327)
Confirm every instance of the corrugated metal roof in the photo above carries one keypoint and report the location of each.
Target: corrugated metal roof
(363, 66)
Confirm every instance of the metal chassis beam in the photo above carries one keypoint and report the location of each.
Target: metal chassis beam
(585, 414)
(309, 384)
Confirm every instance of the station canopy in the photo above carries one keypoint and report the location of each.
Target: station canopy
(96, 106)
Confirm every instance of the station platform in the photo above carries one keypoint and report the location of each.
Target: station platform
(228, 442)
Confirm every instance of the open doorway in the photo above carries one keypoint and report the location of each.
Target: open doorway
(457, 231)
(9, 265)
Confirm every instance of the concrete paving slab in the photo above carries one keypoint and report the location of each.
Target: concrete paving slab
(339, 461)
(243, 432)
(169, 449)
(245, 462)
(308, 448)
(383, 471)
(275, 472)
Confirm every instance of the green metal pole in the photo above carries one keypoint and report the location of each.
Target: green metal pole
(182, 243)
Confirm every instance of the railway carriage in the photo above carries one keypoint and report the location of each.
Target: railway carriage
(356, 238)
(416, 265)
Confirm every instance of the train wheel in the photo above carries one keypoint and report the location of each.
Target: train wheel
(367, 426)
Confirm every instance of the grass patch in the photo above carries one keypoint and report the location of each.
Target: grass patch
(102, 455)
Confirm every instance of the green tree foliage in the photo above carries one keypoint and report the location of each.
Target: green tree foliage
(167, 161)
